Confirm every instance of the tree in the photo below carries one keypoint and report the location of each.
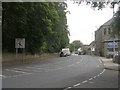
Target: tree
(42, 24)
(116, 23)
(97, 3)
(75, 45)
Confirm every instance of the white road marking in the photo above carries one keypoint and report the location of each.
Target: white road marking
(69, 87)
(77, 85)
(18, 75)
(84, 81)
(98, 75)
(103, 71)
(90, 78)
(100, 60)
(2, 76)
(15, 71)
(94, 76)
(27, 70)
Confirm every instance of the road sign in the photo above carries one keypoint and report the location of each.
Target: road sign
(20, 43)
(112, 44)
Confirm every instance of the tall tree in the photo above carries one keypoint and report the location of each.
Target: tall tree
(42, 24)
(75, 45)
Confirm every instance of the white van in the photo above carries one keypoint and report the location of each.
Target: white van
(66, 51)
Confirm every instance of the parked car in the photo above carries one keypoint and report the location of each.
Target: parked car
(65, 52)
(79, 53)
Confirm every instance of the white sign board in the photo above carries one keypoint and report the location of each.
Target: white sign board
(20, 43)
(112, 44)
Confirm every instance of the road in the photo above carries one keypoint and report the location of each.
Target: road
(76, 71)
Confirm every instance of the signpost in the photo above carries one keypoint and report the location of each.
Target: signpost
(20, 43)
(112, 44)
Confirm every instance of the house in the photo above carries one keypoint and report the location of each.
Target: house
(106, 42)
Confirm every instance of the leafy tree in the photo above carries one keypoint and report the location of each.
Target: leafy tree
(116, 22)
(75, 45)
(42, 24)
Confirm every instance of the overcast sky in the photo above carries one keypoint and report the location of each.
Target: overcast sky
(84, 21)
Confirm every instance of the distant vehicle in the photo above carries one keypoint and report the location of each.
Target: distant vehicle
(76, 52)
(79, 53)
(65, 52)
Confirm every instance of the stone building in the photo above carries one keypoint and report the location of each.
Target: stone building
(92, 47)
(106, 42)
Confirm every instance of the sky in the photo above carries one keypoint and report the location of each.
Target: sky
(84, 21)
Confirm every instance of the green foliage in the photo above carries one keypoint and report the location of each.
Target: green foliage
(42, 24)
(75, 45)
(116, 24)
(99, 4)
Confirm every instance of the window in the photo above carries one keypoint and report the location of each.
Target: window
(110, 49)
(109, 30)
(104, 31)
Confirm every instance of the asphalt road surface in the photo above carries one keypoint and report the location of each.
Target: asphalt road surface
(75, 71)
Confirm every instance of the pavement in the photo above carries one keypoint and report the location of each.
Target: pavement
(108, 64)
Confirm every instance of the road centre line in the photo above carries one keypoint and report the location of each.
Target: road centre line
(94, 76)
(102, 71)
(90, 78)
(84, 81)
(76, 85)
(98, 75)
(69, 87)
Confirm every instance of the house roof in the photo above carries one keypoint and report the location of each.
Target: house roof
(109, 22)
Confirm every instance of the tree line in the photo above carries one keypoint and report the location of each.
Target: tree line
(42, 24)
